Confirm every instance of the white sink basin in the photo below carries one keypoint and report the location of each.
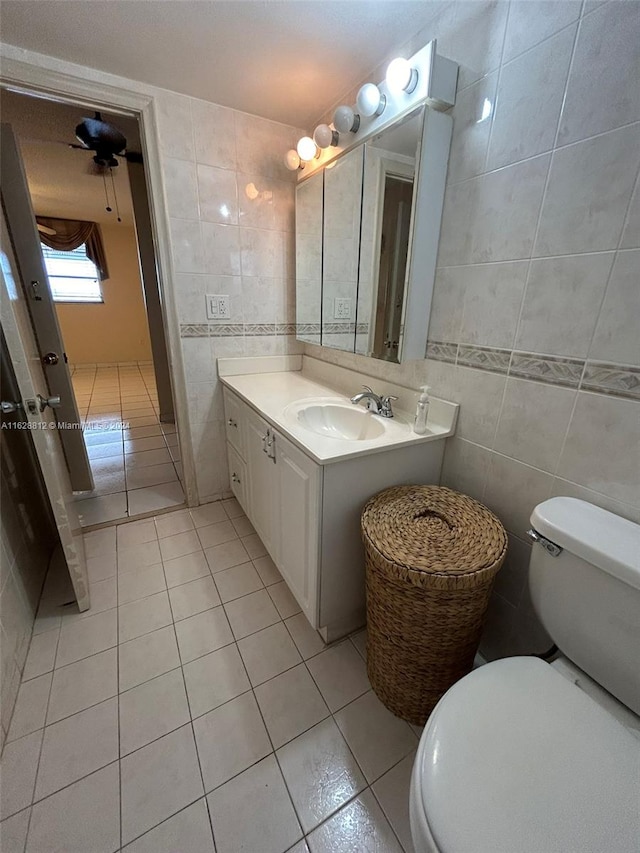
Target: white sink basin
(338, 420)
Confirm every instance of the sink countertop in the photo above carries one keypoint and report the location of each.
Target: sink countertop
(271, 393)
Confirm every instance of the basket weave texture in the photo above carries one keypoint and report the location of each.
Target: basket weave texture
(432, 555)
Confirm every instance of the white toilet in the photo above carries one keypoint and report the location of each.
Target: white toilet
(522, 756)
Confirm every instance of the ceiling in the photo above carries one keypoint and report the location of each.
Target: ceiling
(61, 182)
(285, 60)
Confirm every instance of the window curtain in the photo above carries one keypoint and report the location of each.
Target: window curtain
(71, 233)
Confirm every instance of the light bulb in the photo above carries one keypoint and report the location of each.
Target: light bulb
(346, 120)
(324, 136)
(370, 100)
(401, 77)
(306, 149)
(251, 190)
(291, 160)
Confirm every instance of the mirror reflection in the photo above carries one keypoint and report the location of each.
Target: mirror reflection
(387, 204)
(341, 248)
(309, 259)
(354, 226)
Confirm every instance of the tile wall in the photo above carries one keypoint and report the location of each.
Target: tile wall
(534, 322)
(231, 205)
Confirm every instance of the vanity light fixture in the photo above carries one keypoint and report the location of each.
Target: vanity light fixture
(307, 149)
(292, 161)
(325, 136)
(345, 120)
(401, 77)
(370, 100)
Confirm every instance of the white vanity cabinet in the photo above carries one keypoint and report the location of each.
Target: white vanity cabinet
(279, 488)
(308, 514)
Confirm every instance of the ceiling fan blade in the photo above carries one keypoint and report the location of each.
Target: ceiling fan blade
(46, 230)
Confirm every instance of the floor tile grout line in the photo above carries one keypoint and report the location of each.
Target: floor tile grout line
(191, 723)
(118, 694)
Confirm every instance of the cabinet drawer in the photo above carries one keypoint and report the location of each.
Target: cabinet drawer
(237, 476)
(235, 422)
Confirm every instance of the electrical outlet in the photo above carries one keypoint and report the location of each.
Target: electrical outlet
(218, 306)
(342, 309)
(224, 310)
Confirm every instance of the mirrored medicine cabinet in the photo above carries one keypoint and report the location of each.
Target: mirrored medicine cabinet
(367, 231)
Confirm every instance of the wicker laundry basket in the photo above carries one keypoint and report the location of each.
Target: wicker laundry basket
(431, 557)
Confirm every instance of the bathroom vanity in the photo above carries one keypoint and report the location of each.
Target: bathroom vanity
(303, 461)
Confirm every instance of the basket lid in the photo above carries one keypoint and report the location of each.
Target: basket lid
(433, 529)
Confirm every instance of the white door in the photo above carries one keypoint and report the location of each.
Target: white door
(263, 491)
(25, 359)
(299, 500)
(21, 225)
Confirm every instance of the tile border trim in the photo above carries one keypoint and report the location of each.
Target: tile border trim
(232, 330)
(618, 380)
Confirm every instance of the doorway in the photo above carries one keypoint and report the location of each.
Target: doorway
(107, 302)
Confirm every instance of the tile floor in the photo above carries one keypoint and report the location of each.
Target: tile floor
(136, 469)
(194, 709)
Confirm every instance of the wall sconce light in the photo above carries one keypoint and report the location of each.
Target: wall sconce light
(292, 161)
(370, 100)
(325, 136)
(345, 120)
(401, 77)
(307, 149)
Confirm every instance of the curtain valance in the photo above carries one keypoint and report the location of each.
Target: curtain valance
(71, 233)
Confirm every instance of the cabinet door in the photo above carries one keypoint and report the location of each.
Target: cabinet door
(299, 499)
(237, 476)
(235, 416)
(263, 510)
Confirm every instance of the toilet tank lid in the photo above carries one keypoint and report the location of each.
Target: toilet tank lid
(608, 541)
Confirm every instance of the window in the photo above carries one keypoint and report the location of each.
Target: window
(72, 276)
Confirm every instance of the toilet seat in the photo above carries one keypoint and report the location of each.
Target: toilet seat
(516, 758)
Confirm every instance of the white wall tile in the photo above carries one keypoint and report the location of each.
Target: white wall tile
(181, 188)
(474, 38)
(174, 125)
(218, 195)
(534, 422)
(554, 288)
(221, 249)
(492, 300)
(601, 447)
(472, 118)
(214, 134)
(588, 194)
(603, 91)
(529, 100)
(262, 252)
(534, 20)
(617, 335)
(186, 246)
(513, 490)
(631, 233)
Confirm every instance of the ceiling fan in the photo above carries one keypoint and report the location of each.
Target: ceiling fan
(103, 138)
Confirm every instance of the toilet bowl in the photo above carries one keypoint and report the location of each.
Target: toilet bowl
(522, 756)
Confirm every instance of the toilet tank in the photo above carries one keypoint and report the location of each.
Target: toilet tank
(588, 596)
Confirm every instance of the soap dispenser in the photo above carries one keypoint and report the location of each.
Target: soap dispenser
(422, 411)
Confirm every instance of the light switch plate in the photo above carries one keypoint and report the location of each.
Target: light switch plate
(342, 309)
(218, 306)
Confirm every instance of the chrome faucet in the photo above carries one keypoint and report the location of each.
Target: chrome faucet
(378, 405)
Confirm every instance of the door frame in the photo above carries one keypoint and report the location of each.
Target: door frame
(36, 74)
